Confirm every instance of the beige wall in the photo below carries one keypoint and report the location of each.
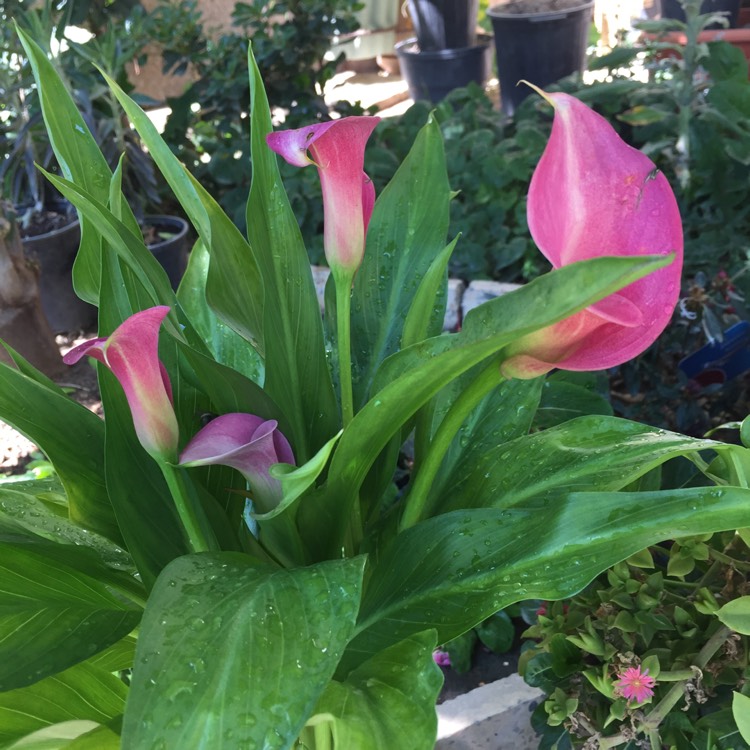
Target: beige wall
(149, 79)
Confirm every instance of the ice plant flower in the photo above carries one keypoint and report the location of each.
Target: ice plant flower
(441, 658)
(593, 195)
(247, 443)
(337, 149)
(131, 352)
(635, 685)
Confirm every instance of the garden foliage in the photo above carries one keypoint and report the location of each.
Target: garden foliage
(148, 602)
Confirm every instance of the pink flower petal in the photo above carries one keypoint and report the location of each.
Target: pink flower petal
(132, 354)
(337, 148)
(593, 195)
(246, 443)
(635, 685)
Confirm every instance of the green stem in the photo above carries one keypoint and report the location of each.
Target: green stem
(721, 557)
(199, 536)
(343, 283)
(343, 279)
(676, 675)
(419, 501)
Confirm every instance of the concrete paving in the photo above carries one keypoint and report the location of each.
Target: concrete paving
(491, 717)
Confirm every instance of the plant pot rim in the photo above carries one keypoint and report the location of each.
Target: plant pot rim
(449, 53)
(72, 224)
(166, 219)
(496, 12)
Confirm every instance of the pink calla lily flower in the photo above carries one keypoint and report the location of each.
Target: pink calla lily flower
(131, 352)
(593, 195)
(337, 149)
(246, 443)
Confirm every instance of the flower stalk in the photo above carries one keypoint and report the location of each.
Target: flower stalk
(419, 502)
(199, 536)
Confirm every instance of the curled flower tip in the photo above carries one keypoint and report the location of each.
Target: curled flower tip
(131, 352)
(635, 685)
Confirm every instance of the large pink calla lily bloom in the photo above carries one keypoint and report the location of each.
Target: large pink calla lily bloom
(132, 353)
(337, 148)
(246, 443)
(593, 195)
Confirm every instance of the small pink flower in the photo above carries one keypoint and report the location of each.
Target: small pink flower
(635, 685)
(441, 658)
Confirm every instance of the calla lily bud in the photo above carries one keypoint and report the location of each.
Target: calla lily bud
(132, 354)
(246, 443)
(337, 149)
(593, 195)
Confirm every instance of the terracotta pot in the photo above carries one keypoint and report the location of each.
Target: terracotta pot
(737, 37)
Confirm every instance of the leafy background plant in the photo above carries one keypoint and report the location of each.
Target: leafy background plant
(657, 610)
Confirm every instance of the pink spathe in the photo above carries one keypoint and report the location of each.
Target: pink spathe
(247, 443)
(337, 149)
(593, 195)
(132, 354)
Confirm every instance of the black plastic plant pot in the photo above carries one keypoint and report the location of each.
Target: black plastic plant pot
(431, 75)
(444, 24)
(55, 252)
(538, 47)
(673, 9)
(170, 245)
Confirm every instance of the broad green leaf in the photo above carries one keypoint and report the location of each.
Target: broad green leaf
(44, 516)
(506, 413)
(52, 616)
(585, 454)
(226, 346)
(497, 632)
(54, 737)
(27, 369)
(71, 437)
(232, 654)
(407, 380)
(452, 571)
(235, 289)
(425, 317)
(118, 657)
(81, 693)
(80, 160)
(406, 232)
(736, 615)
(387, 702)
(741, 713)
(562, 401)
(129, 246)
(297, 373)
(100, 738)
